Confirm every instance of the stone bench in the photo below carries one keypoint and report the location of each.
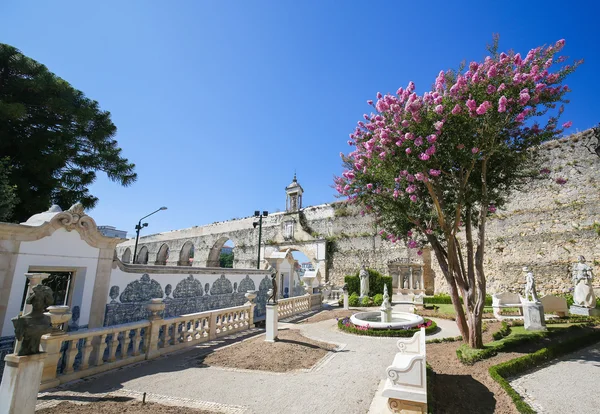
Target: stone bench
(555, 304)
(406, 383)
(506, 300)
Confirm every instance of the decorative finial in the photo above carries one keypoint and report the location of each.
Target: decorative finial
(295, 180)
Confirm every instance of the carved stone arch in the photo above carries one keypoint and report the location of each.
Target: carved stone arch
(163, 255)
(215, 251)
(186, 255)
(126, 258)
(142, 256)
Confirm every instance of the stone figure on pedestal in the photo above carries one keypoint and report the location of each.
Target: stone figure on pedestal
(405, 284)
(272, 300)
(416, 284)
(583, 295)
(530, 286)
(364, 281)
(30, 327)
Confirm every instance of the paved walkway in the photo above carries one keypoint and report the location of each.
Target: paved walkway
(344, 382)
(568, 382)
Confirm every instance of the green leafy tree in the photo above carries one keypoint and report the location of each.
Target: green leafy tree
(8, 197)
(433, 165)
(226, 260)
(54, 137)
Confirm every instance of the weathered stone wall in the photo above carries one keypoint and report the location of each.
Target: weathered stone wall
(547, 225)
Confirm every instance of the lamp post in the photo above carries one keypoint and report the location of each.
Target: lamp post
(259, 224)
(140, 226)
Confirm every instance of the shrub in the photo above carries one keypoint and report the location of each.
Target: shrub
(378, 299)
(353, 283)
(376, 281)
(366, 301)
(519, 365)
(347, 326)
(353, 300)
(504, 331)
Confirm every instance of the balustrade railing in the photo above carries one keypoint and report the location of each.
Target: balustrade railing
(78, 354)
(291, 306)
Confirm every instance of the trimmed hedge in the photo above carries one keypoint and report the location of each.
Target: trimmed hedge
(445, 299)
(376, 281)
(443, 340)
(347, 326)
(469, 356)
(504, 331)
(521, 364)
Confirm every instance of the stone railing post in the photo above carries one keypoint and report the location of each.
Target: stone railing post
(156, 306)
(272, 320)
(212, 328)
(346, 303)
(51, 345)
(251, 295)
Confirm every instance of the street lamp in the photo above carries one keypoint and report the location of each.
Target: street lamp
(140, 226)
(259, 224)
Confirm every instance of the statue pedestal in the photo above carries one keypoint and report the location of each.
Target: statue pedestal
(271, 322)
(533, 316)
(580, 310)
(21, 383)
(346, 303)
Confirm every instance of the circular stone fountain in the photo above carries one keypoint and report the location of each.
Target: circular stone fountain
(399, 320)
(385, 318)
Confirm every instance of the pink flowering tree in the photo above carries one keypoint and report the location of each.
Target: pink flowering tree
(432, 167)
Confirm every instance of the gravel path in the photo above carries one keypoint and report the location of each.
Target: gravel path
(568, 382)
(344, 382)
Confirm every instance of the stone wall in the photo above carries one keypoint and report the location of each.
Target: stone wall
(547, 225)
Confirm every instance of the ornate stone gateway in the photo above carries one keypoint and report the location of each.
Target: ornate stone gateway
(412, 275)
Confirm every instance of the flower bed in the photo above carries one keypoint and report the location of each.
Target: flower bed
(347, 326)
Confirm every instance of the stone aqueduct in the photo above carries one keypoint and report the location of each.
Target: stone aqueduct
(545, 228)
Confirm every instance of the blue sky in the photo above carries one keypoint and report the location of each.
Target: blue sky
(217, 103)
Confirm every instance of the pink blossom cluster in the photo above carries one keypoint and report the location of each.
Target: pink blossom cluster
(409, 130)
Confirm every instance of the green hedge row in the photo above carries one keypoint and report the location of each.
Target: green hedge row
(347, 326)
(519, 365)
(376, 282)
(445, 299)
(502, 332)
(469, 356)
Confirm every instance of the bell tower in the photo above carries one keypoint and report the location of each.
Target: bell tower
(294, 192)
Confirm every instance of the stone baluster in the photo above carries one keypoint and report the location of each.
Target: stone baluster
(86, 351)
(135, 341)
(114, 343)
(212, 327)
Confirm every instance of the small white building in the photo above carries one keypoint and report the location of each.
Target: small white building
(288, 279)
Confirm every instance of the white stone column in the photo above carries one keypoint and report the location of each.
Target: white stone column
(271, 322)
(21, 383)
(346, 303)
(411, 285)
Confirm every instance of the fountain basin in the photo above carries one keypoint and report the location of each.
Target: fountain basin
(400, 320)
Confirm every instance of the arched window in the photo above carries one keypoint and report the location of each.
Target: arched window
(163, 255)
(142, 256)
(186, 255)
(126, 256)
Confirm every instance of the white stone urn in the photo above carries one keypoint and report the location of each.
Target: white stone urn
(251, 295)
(58, 315)
(155, 306)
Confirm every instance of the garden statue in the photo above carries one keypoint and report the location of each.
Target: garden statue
(405, 285)
(530, 286)
(30, 327)
(583, 295)
(416, 284)
(364, 282)
(272, 300)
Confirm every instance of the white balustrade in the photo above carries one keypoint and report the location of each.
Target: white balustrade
(79, 354)
(292, 306)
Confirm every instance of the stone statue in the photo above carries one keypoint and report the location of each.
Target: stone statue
(273, 298)
(416, 284)
(30, 327)
(405, 285)
(530, 286)
(583, 295)
(364, 281)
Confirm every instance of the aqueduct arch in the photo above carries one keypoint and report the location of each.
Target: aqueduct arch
(214, 254)
(186, 255)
